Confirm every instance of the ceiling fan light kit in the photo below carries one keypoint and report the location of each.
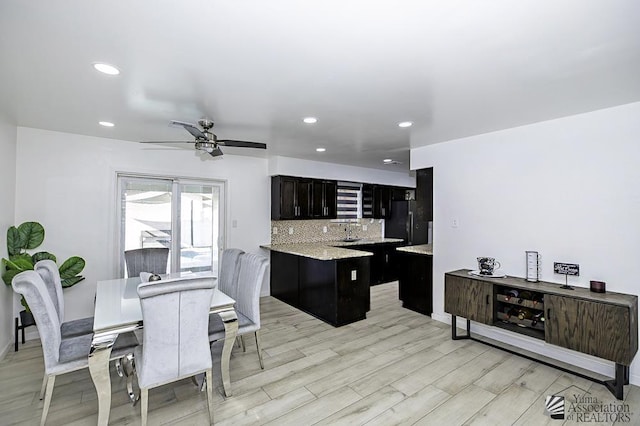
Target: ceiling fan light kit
(206, 140)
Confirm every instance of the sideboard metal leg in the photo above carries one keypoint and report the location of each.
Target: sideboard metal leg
(455, 336)
(616, 386)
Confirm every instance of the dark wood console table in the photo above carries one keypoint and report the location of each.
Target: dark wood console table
(604, 325)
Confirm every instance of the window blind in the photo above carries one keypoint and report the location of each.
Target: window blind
(349, 200)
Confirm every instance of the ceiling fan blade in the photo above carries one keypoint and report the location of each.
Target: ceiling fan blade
(189, 128)
(242, 144)
(166, 141)
(216, 152)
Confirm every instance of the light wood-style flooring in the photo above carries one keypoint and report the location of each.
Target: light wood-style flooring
(396, 367)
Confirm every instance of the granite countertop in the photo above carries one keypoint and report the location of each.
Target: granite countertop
(329, 250)
(426, 249)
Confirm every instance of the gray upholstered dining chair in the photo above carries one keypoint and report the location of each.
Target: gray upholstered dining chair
(50, 274)
(60, 355)
(175, 344)
(251, 275)
(228, 271)
(151, 259)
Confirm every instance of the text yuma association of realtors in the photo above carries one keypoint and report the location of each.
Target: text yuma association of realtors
(588, 409)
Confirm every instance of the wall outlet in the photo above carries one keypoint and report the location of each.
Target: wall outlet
(324, 229)
(234, 223)
(364, 228)
(354, 275)
(291, 231)
(275, 230)
(454, 223)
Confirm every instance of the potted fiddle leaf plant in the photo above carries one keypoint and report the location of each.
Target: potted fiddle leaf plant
(29, 236)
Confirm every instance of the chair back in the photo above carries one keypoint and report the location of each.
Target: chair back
(50, 274)
(175, 314)
(252, 273)
(228, 272)
(151, 259)
(30, 285)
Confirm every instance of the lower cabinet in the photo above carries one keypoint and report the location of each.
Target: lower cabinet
(335, 291)
(598, 329)
(468, 298)
(415, 279)
(384, 266)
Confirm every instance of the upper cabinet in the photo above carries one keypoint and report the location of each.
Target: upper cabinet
(303, 198)
(376, 200)
(325, 200)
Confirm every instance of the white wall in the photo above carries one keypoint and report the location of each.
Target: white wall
(8, 134)
(67, 183)
(568, 188)
(315, 169)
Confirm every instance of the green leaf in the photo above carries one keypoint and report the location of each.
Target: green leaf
(42, 255)
(32, 234)
(22, 262)
(24, 303)
(9, 274)
(68, 282)
(15, 241)
(71, 267)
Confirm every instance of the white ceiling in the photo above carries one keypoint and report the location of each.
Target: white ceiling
(257, 67)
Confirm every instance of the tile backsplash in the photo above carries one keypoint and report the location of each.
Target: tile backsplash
(312, 231)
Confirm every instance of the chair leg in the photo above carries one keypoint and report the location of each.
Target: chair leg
(119, 369)
(244, 348)
(209, 380)
(259, 348)
(51, 380)
(144, 405)
(44, 387)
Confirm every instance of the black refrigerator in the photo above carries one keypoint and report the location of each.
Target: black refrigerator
(408, 222)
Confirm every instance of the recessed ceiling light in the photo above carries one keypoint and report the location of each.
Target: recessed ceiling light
(405, 124)
(310, 120)
(321, 149)
(106, 68)
(106, 123)
(387, 160)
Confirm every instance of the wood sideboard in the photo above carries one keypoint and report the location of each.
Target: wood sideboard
(604, 325)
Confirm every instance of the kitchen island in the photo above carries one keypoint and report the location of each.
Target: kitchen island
(328, 282)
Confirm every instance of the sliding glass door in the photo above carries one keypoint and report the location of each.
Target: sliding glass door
(184, 215)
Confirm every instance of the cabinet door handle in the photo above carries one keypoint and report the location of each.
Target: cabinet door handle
(548, 313)
(487, 299)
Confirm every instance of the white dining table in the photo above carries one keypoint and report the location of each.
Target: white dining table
(117, 310)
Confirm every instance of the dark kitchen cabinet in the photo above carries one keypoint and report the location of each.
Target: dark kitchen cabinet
(324, 199)
(284, 277)
(303, 198)
(416, 281)
(290, 198)
(384, 268)
(335, 291)
(424, 195)
(376, 201)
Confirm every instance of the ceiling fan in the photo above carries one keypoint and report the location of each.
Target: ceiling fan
(206, 140)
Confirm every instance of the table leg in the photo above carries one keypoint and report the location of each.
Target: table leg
(230, 321)
(99, 356)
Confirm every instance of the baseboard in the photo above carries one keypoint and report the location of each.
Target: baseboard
(537, 346)
(5, 350)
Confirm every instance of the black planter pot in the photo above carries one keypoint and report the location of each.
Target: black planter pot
(27, 319)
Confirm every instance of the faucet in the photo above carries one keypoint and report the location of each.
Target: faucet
(347, 230)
